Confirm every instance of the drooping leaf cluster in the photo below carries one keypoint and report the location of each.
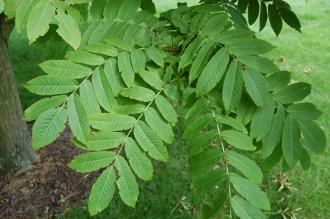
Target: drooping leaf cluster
(117, 86)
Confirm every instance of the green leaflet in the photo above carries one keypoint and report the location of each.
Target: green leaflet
(198, 22)
(278, 80)
(152, 78)
(99, 33)
(89, 28)
(235, 123)
(274, 136)
(65, 68)
(259, 64)
(142, 38)
(51, 85)
(171, 91)
(105, 140)
(292, 93)
(127, 9)
(200, 61)
(39, 19)
(214, 202)
(9, 7)
(91, 161)
(111, 9)
(84, 57)
(275, 19)
(249, 190)
(169, 72)
(245, 210)
(22, 12)
(138, 160)
(158, 125)
(112, 74)
(122, 35)
(129, 109)
(96, 9)
(126, 183)
(156, 56)
(212, 73)
(138, 60)
(262, 120)
(88, 98)
(138, 93)
(196, 126)
(290, 18)
(274, 158)
(166, 109)
(33, 112)
(215, 25)
(232, 86)
(247, 166)
(238, 140)
(78, 118)
(235, 35)
(2, 6)
(256, 87)
(253, 11)
(304, 111)
(111, 122)
(68, 29)
(208, 180)
(198, 107)
(74, 13)
(291, 141)
(103, 90)
(313, 136)
(125, 67)
(150, 142)
(78, 1)
(248, 46)
(102, 191)
(200, 142)
(102, 48)
(48, 127)
(190, 52)
(205, 160)
(245, 110)
(305, 159)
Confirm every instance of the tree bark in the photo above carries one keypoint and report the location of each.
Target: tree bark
(15, 140)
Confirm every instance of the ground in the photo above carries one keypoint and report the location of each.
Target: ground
(306, 54)
(46, 188)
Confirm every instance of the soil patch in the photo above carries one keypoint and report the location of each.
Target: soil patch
(48, 187)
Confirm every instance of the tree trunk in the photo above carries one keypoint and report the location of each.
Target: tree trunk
(15, 141)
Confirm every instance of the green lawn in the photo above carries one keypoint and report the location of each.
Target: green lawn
(307, 55)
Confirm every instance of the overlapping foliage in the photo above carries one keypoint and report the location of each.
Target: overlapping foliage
(126, 70)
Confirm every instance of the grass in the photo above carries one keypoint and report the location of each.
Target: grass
(168, 196)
